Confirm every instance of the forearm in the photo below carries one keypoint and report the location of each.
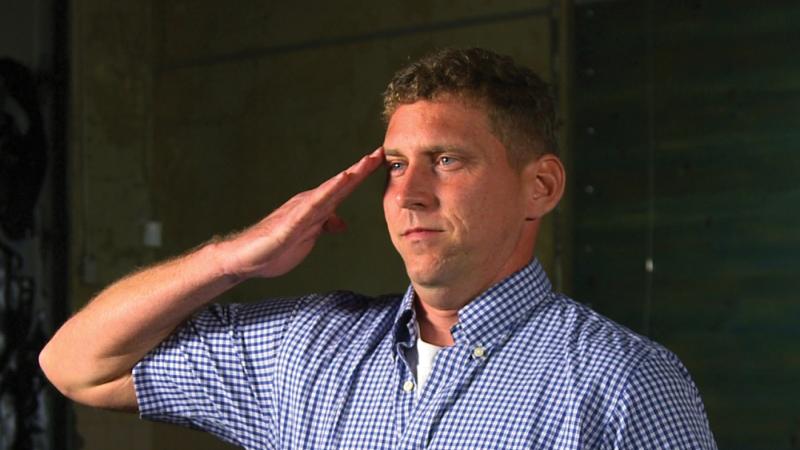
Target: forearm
(90, 358)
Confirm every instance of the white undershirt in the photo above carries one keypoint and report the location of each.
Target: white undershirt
(421, 361)
(425, 354)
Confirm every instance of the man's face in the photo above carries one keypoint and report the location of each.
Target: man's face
(454, 206)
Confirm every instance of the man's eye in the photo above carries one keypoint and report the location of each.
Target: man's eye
(394, 165)
(447, 161)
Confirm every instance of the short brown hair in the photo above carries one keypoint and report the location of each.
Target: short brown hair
(521, 108)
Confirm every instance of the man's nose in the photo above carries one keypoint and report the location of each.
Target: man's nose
(414, 189)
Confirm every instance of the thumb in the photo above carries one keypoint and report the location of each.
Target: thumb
(334, 224)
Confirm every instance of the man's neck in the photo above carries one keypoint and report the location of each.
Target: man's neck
(437, 306)
(435, 324)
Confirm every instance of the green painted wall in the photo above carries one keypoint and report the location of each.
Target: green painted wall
(687, 127)
(205, 117)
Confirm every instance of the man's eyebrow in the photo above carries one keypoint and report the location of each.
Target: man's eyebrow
(438, 149)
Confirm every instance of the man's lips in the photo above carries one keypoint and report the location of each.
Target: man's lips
(414, 232)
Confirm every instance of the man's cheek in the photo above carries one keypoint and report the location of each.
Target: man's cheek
(389, 215)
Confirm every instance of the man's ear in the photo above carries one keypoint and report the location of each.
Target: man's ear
(544, 179)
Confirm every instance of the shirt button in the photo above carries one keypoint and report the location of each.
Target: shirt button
(479, 352)
(408, 386)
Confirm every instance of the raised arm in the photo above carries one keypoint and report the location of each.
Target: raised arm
(90, 357)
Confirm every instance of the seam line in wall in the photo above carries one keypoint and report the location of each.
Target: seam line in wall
(260, 52)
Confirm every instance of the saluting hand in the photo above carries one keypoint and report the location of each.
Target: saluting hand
(279, 242)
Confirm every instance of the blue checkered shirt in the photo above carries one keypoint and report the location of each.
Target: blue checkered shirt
(530, 369)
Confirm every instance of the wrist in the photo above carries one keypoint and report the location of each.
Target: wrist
(220, 256)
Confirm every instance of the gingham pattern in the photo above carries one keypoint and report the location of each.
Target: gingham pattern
(529, 369)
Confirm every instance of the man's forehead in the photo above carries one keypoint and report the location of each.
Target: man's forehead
(437, 116)
(437, 126)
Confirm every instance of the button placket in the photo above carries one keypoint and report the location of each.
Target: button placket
(479, 354)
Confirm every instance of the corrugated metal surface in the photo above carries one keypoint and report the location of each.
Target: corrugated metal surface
(687, 152)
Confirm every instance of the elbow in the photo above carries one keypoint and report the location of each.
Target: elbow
(49, 365)
(59, 373)
(45, 363)
(116, 394)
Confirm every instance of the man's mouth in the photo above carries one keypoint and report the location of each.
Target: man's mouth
(420, 232)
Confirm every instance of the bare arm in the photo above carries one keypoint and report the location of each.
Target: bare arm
(90, 357)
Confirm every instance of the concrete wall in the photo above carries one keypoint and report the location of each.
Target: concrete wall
(205, 118)
(110, 137)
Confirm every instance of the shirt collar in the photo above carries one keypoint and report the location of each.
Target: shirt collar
(491, 316)
(405, 331)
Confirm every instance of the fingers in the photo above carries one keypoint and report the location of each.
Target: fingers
(336, 189)
(359, 172)
(367, 164)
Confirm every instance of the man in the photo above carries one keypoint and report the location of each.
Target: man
(479, 352)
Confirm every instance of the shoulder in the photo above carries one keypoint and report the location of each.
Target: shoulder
(329, 305)
(311, 323)
(348, 302)
(660, 407)
(344, 314)
(589, 338)
(648, 394)
(598, 355)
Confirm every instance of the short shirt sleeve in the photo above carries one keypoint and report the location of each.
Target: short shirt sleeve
(661, 408)
(215, 372)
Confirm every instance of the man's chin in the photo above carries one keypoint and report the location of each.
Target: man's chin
(429, 275)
